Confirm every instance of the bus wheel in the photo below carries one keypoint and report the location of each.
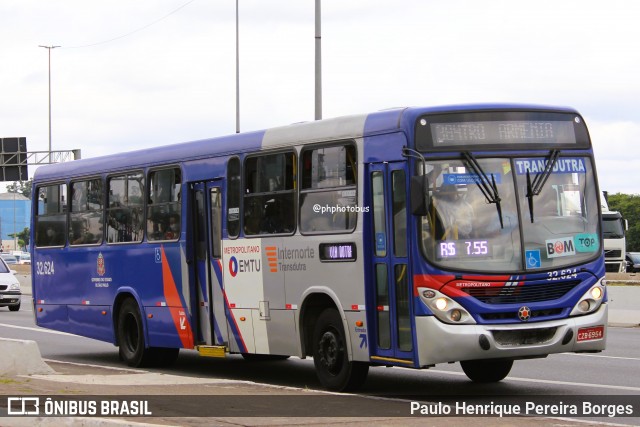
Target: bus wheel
(487, 371)
(333, 368)
(131, 335)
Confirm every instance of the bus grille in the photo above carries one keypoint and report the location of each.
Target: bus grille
(524, 336)
(613, 253)
(612, 267)
(521, 294)
(513, 315)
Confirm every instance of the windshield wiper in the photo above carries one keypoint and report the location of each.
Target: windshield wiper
(488, 187)
(534, 188)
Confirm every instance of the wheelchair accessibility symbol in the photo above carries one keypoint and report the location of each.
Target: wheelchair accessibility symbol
(533, 258)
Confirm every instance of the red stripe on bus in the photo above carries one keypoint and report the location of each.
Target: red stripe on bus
(178, 312)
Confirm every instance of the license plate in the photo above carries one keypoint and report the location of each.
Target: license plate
(589, 334)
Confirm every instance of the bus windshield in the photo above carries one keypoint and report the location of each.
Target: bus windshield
(612, 227)
(468, 229)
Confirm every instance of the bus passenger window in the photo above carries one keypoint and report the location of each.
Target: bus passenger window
(164, 207)
(269, 202)
(328, 181)
(233, 197)
(51, 217)
(125, 204)
(85, 219)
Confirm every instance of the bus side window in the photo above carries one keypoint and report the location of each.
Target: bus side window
(164, 208)
(125, 204)
(269, 194)
(85, 218)
(329, 181)
(51, 220)
(233, 197)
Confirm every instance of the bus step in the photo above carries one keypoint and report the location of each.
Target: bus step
(212, 350)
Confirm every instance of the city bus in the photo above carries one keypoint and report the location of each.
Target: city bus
(406, 237)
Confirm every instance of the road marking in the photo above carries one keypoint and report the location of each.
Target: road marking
(535, 380)
(597, 355)
(48, 331)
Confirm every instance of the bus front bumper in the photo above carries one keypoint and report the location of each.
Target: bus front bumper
(443, 343)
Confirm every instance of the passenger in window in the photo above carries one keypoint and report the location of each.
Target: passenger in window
(271, 222)
(454, 213)
(52, 237)
(173, 229)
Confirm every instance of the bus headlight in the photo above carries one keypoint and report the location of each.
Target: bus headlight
(590, 301)
(444, 308)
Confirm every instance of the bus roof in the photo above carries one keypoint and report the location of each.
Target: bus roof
(299, 133)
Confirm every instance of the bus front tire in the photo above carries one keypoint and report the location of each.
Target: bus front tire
(330, 357)
(487, 371)
(133, 350)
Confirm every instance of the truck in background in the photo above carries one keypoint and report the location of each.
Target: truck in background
(614, 227)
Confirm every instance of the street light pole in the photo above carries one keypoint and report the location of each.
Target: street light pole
(49, 49)
(237, 70)
(318, 82)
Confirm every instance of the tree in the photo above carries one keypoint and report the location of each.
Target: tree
(21, 187)
(23, 237)
(629, 206)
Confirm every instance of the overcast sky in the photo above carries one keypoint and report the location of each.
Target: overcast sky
(174, 81)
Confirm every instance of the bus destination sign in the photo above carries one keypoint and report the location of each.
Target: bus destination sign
(338, 252)
(500, 129)
(498, 132)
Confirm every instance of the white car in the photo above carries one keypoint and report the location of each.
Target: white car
(10, 294)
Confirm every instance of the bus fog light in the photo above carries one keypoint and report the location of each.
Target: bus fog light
(456, 315)
(441, 304)
(584, 306)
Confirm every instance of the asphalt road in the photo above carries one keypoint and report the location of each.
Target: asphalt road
(612, 372)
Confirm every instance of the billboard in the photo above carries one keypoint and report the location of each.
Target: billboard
(13, 159)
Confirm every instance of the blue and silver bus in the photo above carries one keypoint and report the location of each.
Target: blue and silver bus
(407, 237)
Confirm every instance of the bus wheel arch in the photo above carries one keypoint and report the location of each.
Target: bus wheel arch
(314, 304)
(130, 331)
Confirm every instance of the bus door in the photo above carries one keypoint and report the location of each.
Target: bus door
(391, 337)
(207, 238)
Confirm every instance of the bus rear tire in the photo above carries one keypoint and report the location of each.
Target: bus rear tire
(330, 356)
(487, 371)
(133, 350)
(131, 335)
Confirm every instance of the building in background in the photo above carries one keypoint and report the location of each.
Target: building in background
(15, 215)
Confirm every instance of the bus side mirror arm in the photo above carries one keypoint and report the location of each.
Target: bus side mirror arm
(419, 185)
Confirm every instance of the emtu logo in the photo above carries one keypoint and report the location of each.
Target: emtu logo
(233, 266)
(272, 258)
